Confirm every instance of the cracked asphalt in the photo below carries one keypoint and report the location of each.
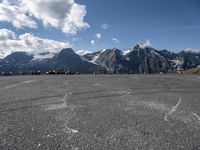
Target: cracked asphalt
(100, 112)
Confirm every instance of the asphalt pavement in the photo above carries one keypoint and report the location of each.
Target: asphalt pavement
(100, 112)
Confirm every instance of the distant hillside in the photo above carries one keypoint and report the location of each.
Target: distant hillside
(193, 71)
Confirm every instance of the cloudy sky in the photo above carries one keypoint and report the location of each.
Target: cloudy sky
(49, 25)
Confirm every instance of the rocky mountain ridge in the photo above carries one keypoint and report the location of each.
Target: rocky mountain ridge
(136, 60)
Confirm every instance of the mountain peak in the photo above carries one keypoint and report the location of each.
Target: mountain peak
(21, 57)
(147, 44)
(67, 50)
(114, 49)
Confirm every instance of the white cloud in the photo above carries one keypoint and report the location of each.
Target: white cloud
(98, 35)
(83, 52)
(146, 44)
(65, 15)
(29, 43)
(92, 42)
(16, 15)
(105, 26)
(6, 34)
(115, 40)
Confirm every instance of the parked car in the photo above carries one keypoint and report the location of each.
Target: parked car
(69, 72)
(60, 71)
(51, 72)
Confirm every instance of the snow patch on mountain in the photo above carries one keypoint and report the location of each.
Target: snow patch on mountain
(94, 59)
(146, 44)
(192, 50)
(97, 56)
(103, 50)
(154, 52)
(127, 51)
(177, 62)
(2, 54)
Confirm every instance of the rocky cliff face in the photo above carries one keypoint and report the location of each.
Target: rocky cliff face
(146, 60)
(136, 60)
(113, 60)
(190, 59)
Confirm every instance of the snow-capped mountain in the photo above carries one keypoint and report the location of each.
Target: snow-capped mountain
(139, 59)
(192, 50)
(191, 59)
(111, 59)
(92, 57)
(142, 59)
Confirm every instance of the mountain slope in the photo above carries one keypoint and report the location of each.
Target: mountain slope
(193, 70)
(15, 62)
(143, 59)
(191, 59)
(112, 60)
(68, 60)
(146, 60)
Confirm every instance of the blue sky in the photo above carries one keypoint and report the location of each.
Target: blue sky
(171, 24)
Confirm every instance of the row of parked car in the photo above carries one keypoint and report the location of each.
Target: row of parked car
(52, 72)
(21, 73)
(59, 72)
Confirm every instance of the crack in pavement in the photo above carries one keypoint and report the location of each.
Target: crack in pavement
(31, 99)
(59, 105)
(174, 108)
(17, 84)
(198, 118)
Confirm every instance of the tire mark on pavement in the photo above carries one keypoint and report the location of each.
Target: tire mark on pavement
(159, 92)
(174, 108)
(17, 84)
(32, 99)
(98, 97)
(144, 93)
(29, 107)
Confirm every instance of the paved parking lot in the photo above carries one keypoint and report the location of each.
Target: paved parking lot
(97, 112)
